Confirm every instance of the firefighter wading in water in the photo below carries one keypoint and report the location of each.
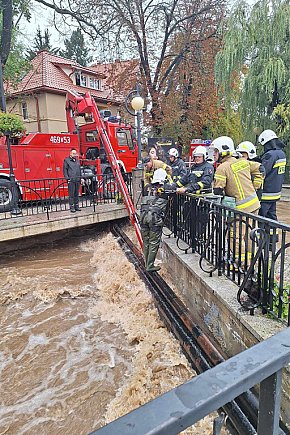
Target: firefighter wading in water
(153, 209)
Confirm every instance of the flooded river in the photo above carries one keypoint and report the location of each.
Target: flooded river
(81, 340)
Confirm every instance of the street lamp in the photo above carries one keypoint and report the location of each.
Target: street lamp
(137, 103)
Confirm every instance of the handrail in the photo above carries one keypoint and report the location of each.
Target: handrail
(187, 404)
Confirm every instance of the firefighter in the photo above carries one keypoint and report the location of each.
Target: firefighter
(200, 177)
(274, 162)
(152, 215)
(233, 177)
(177, 165)
(247, 150)
(72, 173)
(150, 166)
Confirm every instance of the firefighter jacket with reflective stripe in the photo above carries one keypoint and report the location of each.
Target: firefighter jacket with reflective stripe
(258, 174)
(235, 178)
(274, 162)
(178, 169)
(198, 178)
(157, 164)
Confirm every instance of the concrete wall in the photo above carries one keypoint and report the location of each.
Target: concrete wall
(212, 300)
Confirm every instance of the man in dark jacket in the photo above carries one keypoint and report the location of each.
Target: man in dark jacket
(177, 165)
(72, 173)
(200, 176)
(274, 162)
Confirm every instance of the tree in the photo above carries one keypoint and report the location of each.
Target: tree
(145, 28)
(41, 42)
(9, 11)
(190, 102)
(75, 48)
(257, 48)
(11, 123)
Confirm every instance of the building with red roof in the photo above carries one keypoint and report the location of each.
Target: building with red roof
(39, 99)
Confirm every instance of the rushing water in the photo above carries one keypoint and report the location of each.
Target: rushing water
(81, 340)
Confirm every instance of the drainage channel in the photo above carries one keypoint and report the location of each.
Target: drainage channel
(242, 413)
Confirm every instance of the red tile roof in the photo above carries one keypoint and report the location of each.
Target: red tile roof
(53, 73)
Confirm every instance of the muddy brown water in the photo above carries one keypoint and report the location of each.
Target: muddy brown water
(81, 340)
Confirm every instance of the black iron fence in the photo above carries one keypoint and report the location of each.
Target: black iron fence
(250, 250)
(31, 197)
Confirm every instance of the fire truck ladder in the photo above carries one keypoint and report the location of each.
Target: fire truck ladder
(85, 103)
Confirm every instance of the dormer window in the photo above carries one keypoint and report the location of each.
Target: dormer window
(78, 79)
(95, 84)
(84, 81)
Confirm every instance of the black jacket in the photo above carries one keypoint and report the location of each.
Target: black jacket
(274, 162)
(178, 169)
(72, 169)
(198, 178)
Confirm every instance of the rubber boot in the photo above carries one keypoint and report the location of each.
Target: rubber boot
(153, 248)
(145, 251)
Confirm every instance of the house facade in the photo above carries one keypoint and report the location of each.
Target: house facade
(39, 98)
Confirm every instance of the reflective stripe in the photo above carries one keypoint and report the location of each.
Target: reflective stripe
(239, 186)
(201, 185)
(179, 184)
(247, 204)
(245, 200)
(280, 162)
(220, 177)
(271, 196)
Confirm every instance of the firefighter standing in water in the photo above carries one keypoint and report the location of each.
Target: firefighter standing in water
(200, 177)
(274, 162)
(150, 166)
(233, 178)
(152, 215)
(177, 165)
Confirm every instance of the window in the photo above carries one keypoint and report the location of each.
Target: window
(78, 79)
(83, 80)
(24, 110)
(125, 139)
(91, 136)
(95, 83)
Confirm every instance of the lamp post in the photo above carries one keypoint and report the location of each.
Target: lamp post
(137, 103)
(15, 210)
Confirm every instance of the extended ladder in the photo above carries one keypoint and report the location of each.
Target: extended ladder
(82, 106)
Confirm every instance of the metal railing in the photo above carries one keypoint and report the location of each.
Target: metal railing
(49, 195)
(185, 405)
(250, 250)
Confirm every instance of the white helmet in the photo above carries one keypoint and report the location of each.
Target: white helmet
(159, 176)
(173, 152)
(200, 151)
(266, 136)
(224, 144)
(247, 147)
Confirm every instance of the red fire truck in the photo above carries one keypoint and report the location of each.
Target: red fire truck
(197, 142)
(39, 156)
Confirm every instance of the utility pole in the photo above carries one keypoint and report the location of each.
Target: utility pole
(2, 96)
